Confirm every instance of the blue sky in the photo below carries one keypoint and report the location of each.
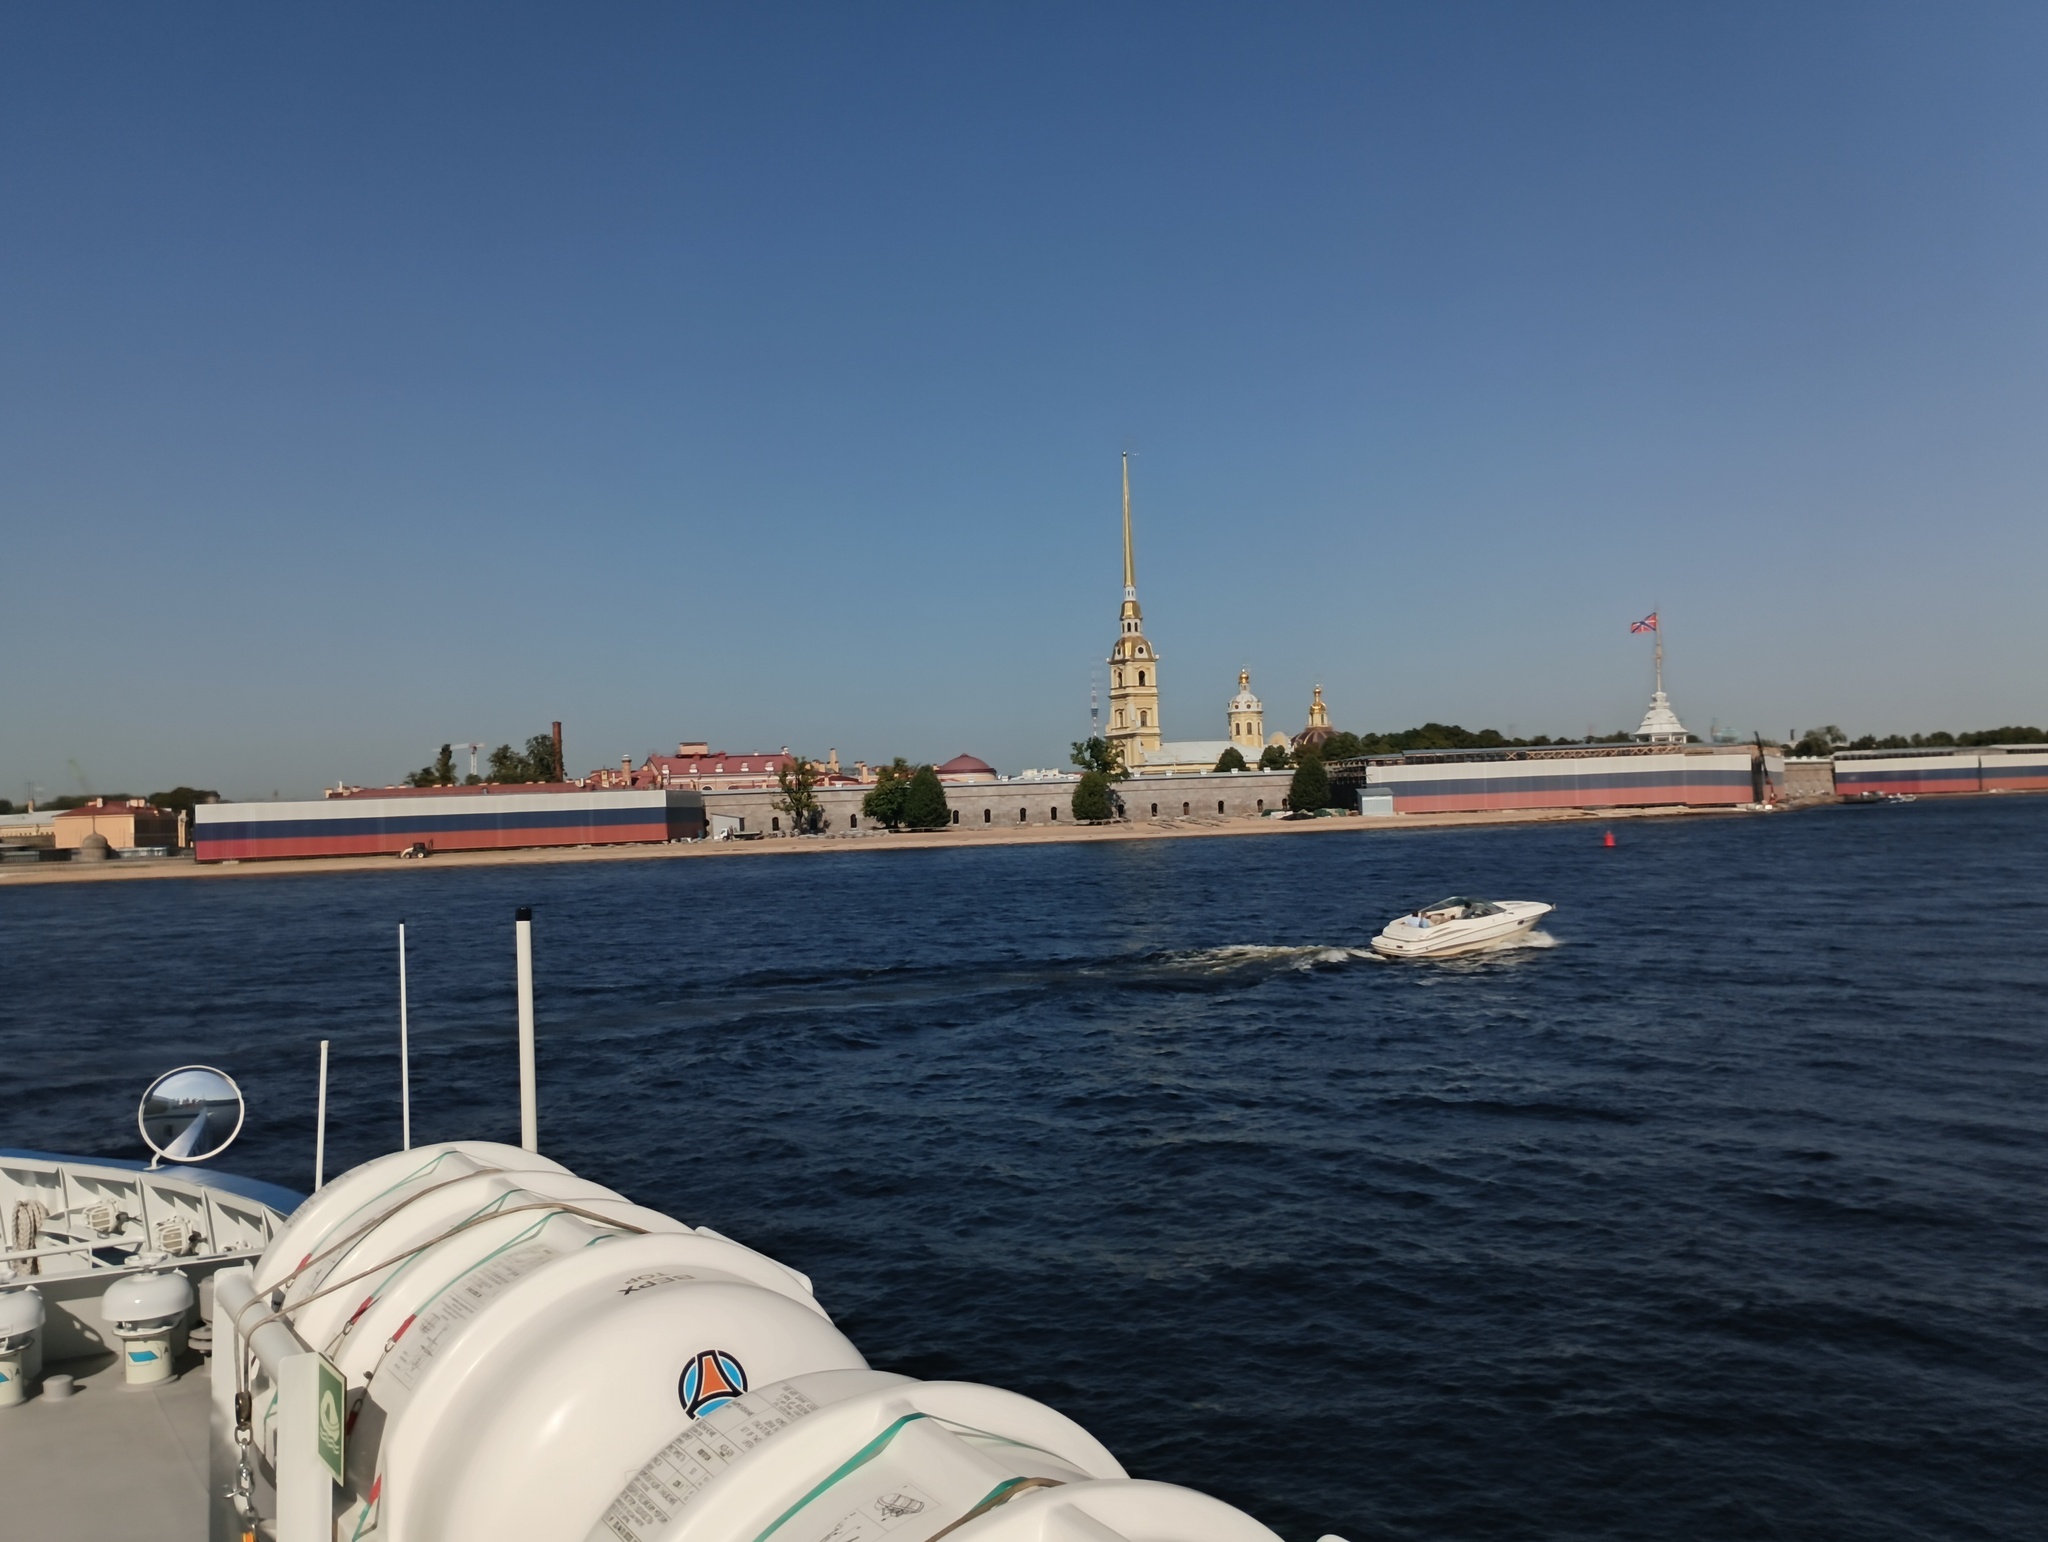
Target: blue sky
(379, 376)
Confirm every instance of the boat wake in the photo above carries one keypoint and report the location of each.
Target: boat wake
(1253, 956)
(1242, 959)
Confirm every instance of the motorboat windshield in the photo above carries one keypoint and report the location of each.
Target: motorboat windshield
(1458, 908)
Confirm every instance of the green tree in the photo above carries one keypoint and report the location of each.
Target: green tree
(440, 774)
(184, 799)
(1341, 746)
(1098, 754)
(1231, 759)
(535, 764)
(1092, 797)
(7, 806)
(1310, 788)
(884, 801)
(1273, 758)
(1820, 742)
(540, 760)
(798, 779)
(924, 801)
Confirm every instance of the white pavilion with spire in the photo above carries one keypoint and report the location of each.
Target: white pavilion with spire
(1660, 724)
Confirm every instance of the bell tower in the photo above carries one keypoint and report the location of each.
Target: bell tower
(1133, 666)
(1247, 718)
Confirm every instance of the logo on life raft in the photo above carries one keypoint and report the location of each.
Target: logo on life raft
(712, 1379)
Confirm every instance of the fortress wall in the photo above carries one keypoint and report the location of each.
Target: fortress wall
(1005, 805)
(1806, 779)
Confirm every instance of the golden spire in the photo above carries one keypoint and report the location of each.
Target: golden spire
(1130, 562)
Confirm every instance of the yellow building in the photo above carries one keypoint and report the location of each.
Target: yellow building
(125, 823)
(1247, 719)
(1133, 666)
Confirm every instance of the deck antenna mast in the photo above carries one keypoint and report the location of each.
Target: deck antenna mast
(404, 1052)
(529, 1120)
(320, 1126)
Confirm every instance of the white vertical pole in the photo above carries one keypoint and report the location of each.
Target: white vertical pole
(404, 1053)
(305, 1490)
(224, 1523)
(529, 1115)
(320, 1126)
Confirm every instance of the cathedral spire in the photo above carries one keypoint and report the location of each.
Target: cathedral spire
(1133, 666)
(1130, 562)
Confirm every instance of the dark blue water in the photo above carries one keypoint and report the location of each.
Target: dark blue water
(1724, 1217)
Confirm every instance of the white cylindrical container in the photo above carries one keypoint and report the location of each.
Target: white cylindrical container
(21, 1339)
(144, 1310)
(528, 1354)
(378, 1188)
(146, 1358)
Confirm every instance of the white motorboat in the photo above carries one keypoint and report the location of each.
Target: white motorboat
(1458, 925)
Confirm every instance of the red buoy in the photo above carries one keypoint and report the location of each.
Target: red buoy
(1608, 840)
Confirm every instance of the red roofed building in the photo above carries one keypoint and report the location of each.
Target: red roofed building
(707, 770)
(125, 823)
(965, 768)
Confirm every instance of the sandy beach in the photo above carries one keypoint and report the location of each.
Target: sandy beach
(134, 869)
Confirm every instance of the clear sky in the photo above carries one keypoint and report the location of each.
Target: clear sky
(382, 375)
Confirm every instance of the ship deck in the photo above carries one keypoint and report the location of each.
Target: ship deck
(111, 1463)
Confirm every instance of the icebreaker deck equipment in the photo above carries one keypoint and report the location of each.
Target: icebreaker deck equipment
(503, 1349)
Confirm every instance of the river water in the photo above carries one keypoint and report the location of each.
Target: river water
(1721, 1212)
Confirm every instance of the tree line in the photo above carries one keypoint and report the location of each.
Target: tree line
(535, 763)
(1102, 767)
(904, 797)
(1822, 742)
(180, 799)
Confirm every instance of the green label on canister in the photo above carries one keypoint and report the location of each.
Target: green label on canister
(333, 1401)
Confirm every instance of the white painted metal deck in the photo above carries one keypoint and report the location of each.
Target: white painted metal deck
(112, 1463)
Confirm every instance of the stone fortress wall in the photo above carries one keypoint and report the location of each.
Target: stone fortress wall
(1023, 801)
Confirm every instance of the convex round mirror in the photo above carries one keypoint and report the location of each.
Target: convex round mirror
(190, 1114)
